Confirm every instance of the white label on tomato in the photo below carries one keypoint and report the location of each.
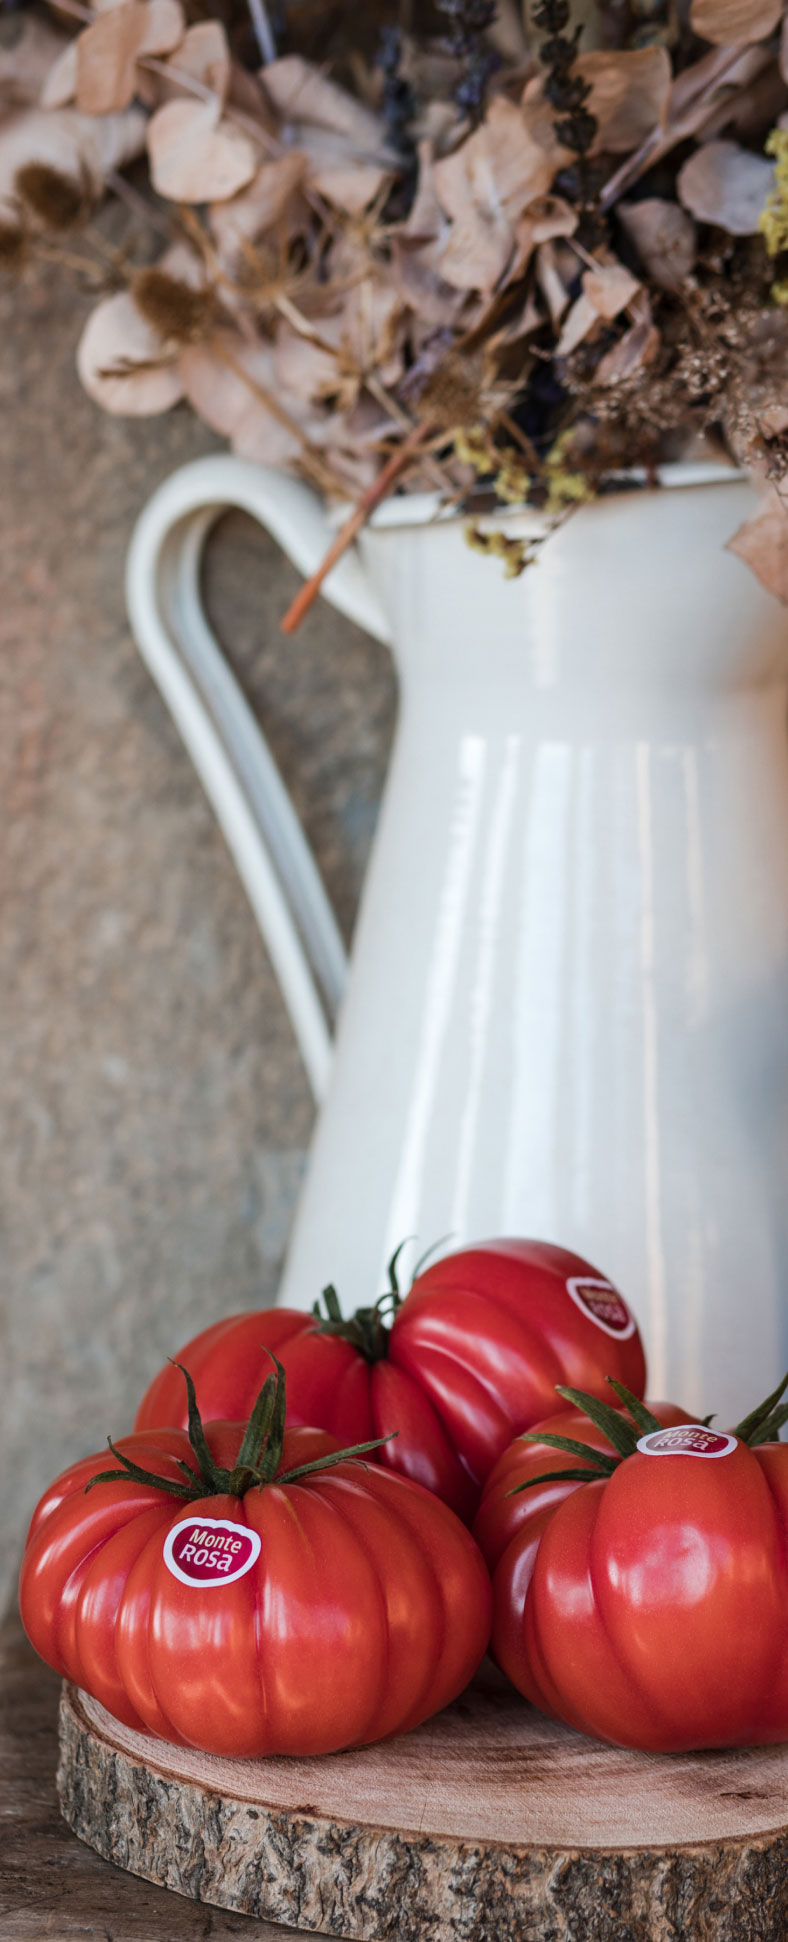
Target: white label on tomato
(603, 1304)
(210, 1551)
(687, 1439)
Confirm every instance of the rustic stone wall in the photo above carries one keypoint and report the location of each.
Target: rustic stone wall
(153, 1110)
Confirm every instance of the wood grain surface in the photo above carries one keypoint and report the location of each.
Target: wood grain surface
(489, 1824)
(52, 1888)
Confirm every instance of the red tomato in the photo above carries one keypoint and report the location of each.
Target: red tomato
(473, 1356)
(291, 1618)
(502, 1516)
(647, 1607)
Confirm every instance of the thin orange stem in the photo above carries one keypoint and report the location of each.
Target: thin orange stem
(373, 497)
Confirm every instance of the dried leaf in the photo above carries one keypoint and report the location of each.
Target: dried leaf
(701, 91)
(28, 51)
(343, 140)
(115, 335)
(634, 351)
(195, 155)
(60, 85)
(426, 218)
(309, 369)
(727, 185)
(664, 237)
(610, 288)
(108, 51)
(581, 320)
(302, 95)
(478, 249)
(629, 95)
(436, 304)
(267, 201)
(203, 55)
(484, 186)
(762, 543)
(728, 21)
(230, 398)
(110, 141)
(605, 293)
(344, 181)
(359, 337)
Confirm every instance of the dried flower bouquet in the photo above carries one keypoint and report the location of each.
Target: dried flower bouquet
(505, 252)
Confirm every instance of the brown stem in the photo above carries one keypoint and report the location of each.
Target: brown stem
(373, 497)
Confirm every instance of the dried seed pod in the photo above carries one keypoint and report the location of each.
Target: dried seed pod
(57, 201)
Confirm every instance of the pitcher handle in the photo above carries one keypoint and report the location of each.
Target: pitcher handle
(226, 745)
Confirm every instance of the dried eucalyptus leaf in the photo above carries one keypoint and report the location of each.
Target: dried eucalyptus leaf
(195, 155)
(664, 237)
(268, 201)
(484, 186)
(634, 351)
(301, 94)
(60, 85)
(610, 289)
(29, 49)
(703, 89)
(762, 543)
(727, 185)
(229, 397)
(116, 339)
(629, 95)
(108, 51)
(203, 55)
(725, 22)
(605, 293)
(345, 182)
(581, 320)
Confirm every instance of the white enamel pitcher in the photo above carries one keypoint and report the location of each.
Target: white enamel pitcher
(566, 1013)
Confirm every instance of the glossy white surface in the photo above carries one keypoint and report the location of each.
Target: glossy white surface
(568, 1003)
(567, 1012)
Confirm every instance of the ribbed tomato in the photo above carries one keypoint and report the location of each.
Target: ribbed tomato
(640, 1590)
(472, 1355)
(323, 1605)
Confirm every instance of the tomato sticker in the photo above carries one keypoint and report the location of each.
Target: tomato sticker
(210, 1551)
(604, 1304)
(687, 1439)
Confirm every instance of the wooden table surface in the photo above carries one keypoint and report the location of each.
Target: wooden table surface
(52, 1888)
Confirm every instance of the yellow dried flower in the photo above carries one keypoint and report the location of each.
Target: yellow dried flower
(473, 446)
(565, 487)
(516, 554)
(773, 220)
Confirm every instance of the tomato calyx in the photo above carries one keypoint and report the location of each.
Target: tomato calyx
(369, 1329)
(259, 1455)
(366, 1330)
(762, 1425)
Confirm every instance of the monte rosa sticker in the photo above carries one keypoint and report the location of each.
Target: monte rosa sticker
(687, 1439)
(605, 1306)
(210, 1551)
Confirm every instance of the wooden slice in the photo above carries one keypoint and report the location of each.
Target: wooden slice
(489, 1824)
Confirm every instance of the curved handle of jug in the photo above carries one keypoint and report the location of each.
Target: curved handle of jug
(228, 749)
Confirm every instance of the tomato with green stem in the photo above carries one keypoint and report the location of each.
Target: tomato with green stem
(640, 1587)
(469, 1357)
(254, 1590)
